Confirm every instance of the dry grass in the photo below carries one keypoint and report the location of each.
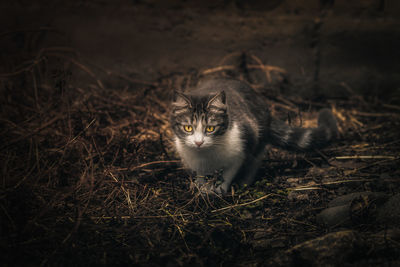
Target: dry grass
(89, 175)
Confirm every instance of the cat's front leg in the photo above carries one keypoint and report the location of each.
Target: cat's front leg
(250, 168)
(228, 176)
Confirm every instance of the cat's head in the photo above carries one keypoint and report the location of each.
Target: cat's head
(199, 121)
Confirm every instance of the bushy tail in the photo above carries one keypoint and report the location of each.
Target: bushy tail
(288, 137)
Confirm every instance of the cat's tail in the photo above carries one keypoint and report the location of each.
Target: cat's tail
(297, 138)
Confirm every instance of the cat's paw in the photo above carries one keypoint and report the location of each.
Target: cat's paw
(207, 187)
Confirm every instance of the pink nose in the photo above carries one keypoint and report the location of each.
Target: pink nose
(199, 143)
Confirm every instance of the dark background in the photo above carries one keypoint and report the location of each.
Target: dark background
(329, 42)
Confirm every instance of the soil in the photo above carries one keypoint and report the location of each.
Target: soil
(89, 172)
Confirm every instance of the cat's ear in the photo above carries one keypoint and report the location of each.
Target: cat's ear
(218, 101)
(180, 101)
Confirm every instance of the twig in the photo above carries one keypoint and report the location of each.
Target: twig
(217, 69)
(391, 106)
(346, 181)
(87, 127)
(266, 68)
(369, 165)
(365, 157)
(271, 103)
(305, 188)
(243, 204)
(368, 114)
(148, 164)
(225, 58)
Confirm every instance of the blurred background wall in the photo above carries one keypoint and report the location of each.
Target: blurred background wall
(342, 46)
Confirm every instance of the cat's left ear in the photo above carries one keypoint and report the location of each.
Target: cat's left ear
(218, 101)
(180, 100)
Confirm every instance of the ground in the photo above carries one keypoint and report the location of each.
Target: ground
(89, 173)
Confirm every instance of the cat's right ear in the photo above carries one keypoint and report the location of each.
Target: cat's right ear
(180, 101)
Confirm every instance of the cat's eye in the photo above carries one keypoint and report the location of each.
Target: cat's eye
(210, 129)
(188, 128)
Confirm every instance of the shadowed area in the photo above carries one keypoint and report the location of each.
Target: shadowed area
(89, 175)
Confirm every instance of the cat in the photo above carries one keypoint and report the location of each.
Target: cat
(224, 125)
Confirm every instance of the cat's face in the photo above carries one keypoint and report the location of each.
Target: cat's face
(199, 121)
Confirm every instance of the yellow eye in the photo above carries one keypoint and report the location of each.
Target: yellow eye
(188, 128)
(210, 129)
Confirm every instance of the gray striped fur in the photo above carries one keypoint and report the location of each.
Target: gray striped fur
(243, 127)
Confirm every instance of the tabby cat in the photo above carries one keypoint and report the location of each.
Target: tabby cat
(224, 125)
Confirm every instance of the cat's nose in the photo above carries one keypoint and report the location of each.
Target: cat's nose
(199, 143)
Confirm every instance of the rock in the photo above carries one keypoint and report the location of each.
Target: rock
(335, 216)
(389, 214)
(352, 209)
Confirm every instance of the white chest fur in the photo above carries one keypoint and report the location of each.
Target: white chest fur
(223, 155)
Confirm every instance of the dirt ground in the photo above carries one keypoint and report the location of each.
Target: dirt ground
(89, 173)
